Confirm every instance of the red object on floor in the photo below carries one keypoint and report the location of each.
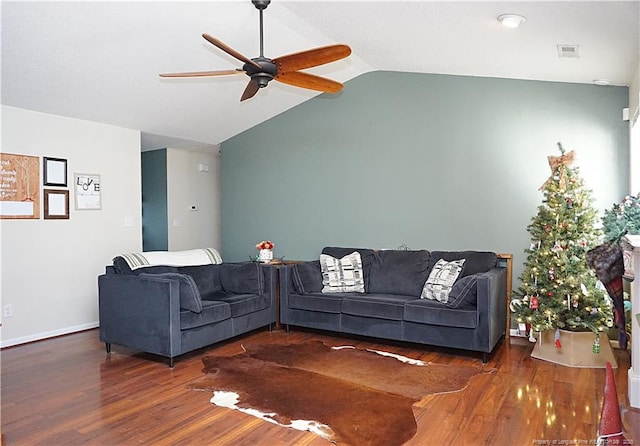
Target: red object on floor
(610, 431)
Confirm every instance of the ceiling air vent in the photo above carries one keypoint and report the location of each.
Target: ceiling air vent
(568, 51)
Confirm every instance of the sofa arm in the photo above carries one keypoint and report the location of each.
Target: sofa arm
(140, 312)
(492, 303)
(286, 287)
(271, 285)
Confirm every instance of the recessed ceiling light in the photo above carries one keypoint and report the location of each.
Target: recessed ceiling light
(602, 82)
(511, 20)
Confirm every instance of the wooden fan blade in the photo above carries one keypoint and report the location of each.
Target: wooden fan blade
(311, 58)
(309, 81)
(250, 91)
(202, 73)
(227, 49)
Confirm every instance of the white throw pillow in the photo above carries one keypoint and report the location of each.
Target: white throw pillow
(441, 279)
(342, 275)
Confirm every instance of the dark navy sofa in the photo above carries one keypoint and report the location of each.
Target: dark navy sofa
(474, 318)
(169, 310)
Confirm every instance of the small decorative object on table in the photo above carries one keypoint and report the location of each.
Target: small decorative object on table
(265, 248)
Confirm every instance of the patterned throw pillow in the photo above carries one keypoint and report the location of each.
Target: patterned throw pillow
(441, 279)
(342, 275)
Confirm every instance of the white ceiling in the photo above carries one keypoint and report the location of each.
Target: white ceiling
(100, 61)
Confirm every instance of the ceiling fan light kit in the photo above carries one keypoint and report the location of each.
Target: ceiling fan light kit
(511, 20)
(286, 69)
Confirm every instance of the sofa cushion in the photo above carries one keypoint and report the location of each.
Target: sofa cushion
(241, 278)
(399, 272)
(206, 277)
(189, 293)
(307, 277)
(381, 306)
(342, 275)
(475, 261)
(320, 302)
(432, 312)
(242, 304)
(366, 256)
(441, 279)
(211, 313)
(464, 293)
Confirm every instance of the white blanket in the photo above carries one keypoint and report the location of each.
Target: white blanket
(192, 257)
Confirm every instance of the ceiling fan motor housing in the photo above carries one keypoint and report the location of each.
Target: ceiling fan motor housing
(261, 76)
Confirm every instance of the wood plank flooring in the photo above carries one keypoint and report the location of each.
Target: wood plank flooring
(68, 391)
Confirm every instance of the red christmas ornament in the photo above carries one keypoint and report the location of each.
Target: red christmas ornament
(534, 303)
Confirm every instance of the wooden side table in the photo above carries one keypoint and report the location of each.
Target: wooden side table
(277, 263)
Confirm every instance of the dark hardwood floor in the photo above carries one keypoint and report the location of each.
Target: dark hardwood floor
(68, 391)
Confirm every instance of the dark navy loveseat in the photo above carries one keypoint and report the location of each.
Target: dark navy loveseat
(172, 310)
(473, 318)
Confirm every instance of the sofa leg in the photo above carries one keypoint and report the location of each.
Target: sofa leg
(485, 357)
(171, 362)
(107, 346)
(288, 329)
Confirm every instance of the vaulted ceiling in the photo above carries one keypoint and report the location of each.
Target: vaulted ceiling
(100, 61)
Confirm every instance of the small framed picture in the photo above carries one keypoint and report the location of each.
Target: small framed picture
(87, 191)
(54, 172)
(56, 204)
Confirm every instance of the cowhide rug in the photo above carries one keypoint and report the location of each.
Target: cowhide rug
(347, 395)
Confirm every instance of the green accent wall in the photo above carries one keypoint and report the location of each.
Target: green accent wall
(154, 201)
(426, 161)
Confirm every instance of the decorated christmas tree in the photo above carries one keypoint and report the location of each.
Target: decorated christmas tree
(557, 288)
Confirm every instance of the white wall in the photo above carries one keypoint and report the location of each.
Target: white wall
(634, 91)
(189, 185)
(634, 125)
(50, 267)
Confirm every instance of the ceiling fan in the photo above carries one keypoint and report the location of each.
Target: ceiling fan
(285, 69)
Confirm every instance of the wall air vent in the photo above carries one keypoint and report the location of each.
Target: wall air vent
(568, 51)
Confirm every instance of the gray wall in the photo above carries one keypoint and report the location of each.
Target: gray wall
(429, 161)
(154, 200)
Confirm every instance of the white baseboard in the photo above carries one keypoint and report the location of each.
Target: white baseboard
(49, 334)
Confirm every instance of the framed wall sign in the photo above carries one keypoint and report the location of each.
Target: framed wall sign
(54, 172)
(88, 193)
(56, 204)
(19, 186)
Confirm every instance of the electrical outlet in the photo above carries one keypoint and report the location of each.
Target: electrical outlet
(7, 310)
